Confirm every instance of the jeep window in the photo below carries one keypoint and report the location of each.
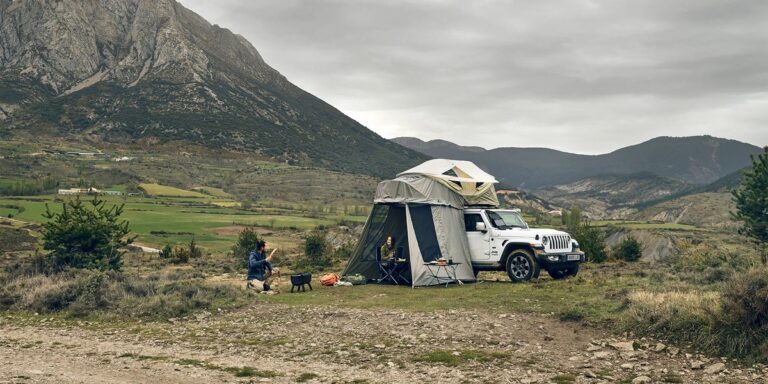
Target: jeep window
(471, 220)
(506, 219)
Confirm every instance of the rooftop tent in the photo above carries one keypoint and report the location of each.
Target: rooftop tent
(422, 209)
(464, 178)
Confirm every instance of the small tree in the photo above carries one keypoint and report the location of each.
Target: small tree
(573, 220)
(751, 200)
(316, 252)
(86, 235)
(246, 242)
(629, 249)
(195, 252)
(592, 243)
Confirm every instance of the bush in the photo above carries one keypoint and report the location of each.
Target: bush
(592, 243)
(316, 252)
(743, 323)
(246, 242)
(81, 293)
(86, 236)
(733, 323)
(629, 249)
(181, 254)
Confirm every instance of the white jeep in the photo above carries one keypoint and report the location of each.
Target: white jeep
(500, 240)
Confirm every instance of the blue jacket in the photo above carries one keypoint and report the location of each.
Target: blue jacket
(257, 265)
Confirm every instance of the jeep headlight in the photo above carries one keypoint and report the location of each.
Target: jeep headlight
(545, 240)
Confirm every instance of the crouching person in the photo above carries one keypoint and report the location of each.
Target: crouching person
(259, 265)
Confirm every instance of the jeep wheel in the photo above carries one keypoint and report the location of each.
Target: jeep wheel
(521, 266)
(559, 274)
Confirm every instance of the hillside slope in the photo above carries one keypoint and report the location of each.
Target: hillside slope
(127, 71)
(694, 160)
(612, 196)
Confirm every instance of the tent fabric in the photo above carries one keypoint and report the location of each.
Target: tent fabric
(384, 220)
(463, 178)
(465, 171)
(423, 210)
(417, 189)
(424, 229)
(452, 241)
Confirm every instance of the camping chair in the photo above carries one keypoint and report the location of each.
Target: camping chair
(386, 269)
(401, 267)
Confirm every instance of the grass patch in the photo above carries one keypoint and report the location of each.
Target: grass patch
(304, 377)
(572, 314)
(564, 378)
(672, 379)
(166, 191)
(453, 359)
(236, 371)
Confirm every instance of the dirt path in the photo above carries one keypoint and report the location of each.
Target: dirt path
(288, 344)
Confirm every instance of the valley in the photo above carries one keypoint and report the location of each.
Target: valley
(147, 155)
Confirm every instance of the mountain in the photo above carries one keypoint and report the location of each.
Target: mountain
(613, 196)
(693, 160)
(150, 72)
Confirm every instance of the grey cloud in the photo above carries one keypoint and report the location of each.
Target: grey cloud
(589, 76)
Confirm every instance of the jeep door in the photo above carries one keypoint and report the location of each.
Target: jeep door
(479, 241)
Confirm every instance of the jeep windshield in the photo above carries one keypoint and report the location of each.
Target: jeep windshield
(506, 219)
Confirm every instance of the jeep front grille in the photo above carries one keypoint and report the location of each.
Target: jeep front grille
(560, 242)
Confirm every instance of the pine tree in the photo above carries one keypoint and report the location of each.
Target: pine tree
(751, 200)
(86, 235)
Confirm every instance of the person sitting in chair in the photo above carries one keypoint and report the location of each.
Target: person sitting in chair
(258, 265)
(388, 253)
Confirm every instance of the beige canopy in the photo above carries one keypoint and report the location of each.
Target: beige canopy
(464, 178)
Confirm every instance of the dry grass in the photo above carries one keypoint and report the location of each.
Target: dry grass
(660, 305)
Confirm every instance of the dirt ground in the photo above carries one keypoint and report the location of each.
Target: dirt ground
(286, 344)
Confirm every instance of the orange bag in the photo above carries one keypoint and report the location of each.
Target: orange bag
(329, 280)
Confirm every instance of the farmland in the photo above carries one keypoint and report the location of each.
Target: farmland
(176, 220)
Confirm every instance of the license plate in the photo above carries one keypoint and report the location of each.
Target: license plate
(574, 257)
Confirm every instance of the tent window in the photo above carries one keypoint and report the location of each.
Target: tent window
(375, 231)
(450, 172)
(424, 226)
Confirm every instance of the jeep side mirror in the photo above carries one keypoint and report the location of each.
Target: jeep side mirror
(481, 227)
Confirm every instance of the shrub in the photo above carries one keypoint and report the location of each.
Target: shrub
(181, 254)
(743, 323)
(246, 242)
(592, 243)
(86, 236)
(166, 252)
(84, 292)
(733, 323)
(316, 252)
(629, 249)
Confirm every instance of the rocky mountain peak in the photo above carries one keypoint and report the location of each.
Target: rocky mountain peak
(73, 44)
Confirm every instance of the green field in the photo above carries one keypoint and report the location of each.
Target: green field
(177, 220)
(215, 192)
(166, 191)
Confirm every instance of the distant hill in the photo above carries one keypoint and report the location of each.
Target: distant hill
(612, 196)
(693, 160)
(705, 209)
(144, 73)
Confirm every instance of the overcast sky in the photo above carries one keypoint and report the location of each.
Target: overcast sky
(574, 75)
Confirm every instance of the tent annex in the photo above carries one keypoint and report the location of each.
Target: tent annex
(422, 209)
